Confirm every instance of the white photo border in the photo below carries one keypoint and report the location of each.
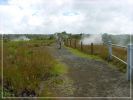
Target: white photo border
(58, 97)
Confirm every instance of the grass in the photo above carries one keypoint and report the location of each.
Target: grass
(59, 69)
(99, 52)
(82, 54)
(26, 64)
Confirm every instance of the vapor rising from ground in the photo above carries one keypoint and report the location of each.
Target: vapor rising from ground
(120, 39)
(95, 38)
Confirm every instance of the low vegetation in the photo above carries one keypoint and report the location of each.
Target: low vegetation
(25, 65)
(99, 51)
(82, 54)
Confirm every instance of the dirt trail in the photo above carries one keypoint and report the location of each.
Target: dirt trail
(92, 78)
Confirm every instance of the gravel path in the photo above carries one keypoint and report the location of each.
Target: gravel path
(92, 78)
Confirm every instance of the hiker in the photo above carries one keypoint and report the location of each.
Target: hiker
(59, 43)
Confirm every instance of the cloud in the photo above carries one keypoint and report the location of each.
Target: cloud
(74, 16)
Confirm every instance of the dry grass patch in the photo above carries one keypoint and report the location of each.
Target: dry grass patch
(102, 52)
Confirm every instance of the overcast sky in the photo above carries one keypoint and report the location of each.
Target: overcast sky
(73, 16)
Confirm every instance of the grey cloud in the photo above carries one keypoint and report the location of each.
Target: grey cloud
(75, 16)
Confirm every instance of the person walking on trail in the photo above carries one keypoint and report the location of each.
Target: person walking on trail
(59, 43)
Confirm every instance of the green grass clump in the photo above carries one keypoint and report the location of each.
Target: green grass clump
(26, 65)
(82, 54)
(59, 69)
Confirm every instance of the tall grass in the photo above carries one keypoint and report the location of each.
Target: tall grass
(101, 51)
(25, 65)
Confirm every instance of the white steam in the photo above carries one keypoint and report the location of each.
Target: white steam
(96, 39)
(21, 38)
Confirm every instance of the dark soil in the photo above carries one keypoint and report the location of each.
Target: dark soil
(92, 78)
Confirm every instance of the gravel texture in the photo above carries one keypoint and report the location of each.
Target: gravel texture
(92, 78)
